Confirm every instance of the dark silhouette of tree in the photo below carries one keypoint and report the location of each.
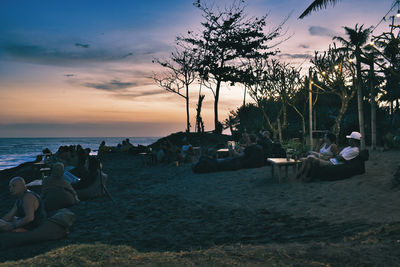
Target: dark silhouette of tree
(389, 42)
(181, 72)
(227, 38)
(357, 38)
(199, 119)
(337, 73)
(277, 83)
(317, 5)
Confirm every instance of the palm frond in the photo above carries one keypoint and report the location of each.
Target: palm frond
(317, 5)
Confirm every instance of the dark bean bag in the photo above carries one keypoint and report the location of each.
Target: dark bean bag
(96, 189)
(231, 164)
(205, 165)
(55, 227)
(253, 157)
(351, 168)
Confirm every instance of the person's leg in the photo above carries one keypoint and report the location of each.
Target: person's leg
(315, 163)
(304, 166)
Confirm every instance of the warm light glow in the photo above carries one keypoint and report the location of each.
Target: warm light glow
(398, 13)
(336, 67)
(350, 60)
(323, 73)
(371, 43)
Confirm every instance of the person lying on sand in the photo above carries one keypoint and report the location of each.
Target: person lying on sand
(28, 211)
(327, 151)
(347, 154)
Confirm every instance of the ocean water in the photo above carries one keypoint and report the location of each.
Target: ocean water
(14, 151)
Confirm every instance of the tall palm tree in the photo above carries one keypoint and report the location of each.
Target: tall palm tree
(317, 5)
(357, 38)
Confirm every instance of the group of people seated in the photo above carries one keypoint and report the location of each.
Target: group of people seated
(125, 146)
(73, 176)
(169, 152)
(251, 151)
(328, 155)
(254, 144)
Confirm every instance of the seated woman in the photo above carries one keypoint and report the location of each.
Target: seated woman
(56, 192)
(345, 156)
(327, 150)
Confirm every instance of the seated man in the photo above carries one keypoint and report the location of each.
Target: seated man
(347, 154)
(266, 143)
(56, 192)
(27, 212)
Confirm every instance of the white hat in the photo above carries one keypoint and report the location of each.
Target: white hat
(354, 135)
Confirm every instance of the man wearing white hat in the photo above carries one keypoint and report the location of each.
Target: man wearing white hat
(350, 152)
(347, 154)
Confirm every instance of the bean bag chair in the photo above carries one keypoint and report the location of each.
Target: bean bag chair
(396, 179)
(232, 164)
(96, 189)
(351, 168)
(59, 197)
(253, 157)
(53, 228)
(205, 165)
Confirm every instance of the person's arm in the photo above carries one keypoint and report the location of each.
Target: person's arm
(29, 209)
(10, 215)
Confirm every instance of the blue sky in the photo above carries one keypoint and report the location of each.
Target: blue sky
(67, 64)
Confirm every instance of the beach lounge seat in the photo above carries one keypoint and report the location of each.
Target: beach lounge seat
(353, 167)
(53, 228)
(96, 189)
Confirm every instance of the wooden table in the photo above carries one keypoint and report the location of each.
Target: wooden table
(222, 151)
(283, 162)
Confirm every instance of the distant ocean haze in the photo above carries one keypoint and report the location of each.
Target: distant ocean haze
(14, 151)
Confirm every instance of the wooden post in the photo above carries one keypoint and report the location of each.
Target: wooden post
(310, 109)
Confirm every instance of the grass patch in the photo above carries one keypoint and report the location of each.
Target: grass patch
(316, 254)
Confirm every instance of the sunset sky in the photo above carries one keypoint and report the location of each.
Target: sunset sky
(81, 68)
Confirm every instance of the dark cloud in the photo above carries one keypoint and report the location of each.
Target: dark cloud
(295, 56)
(53, 56)
(127, 55)
(59, 53)
(304, 46)
(113, 85)
(82, 45)
(69, 75)
(320, 31)
(139, 93)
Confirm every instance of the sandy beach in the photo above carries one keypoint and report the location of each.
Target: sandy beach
(168, 208)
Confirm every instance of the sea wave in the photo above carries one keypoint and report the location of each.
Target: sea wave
(14, 151)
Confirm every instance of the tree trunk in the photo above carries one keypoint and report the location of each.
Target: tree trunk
(199, 120)
(244, 96)
(373, 106)
(342, 111)
(216, 99)
(187, 110)
(280, 131)
(360, 99)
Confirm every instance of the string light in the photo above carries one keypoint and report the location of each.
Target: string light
(350, 60)
(323, 73)
(398, 14)
(371, 43)
(336, 67)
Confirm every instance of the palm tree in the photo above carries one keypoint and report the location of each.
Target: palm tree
(317, 5)
(357, 38)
